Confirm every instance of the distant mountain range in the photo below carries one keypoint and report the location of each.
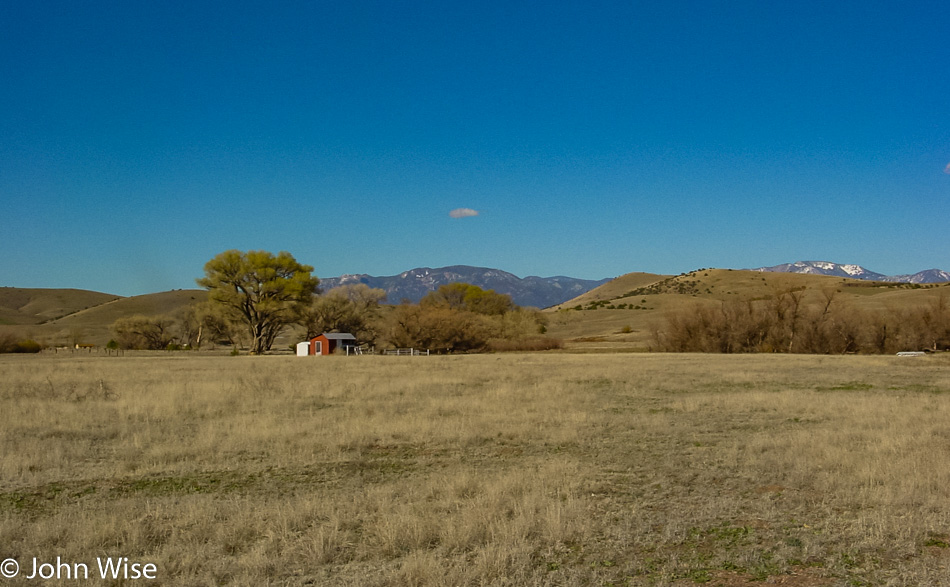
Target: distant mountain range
(856, 272)
(413, 285)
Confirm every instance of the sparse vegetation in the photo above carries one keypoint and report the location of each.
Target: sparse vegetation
(786, 323)
(144, 332)
(491, 469)
(678, 284)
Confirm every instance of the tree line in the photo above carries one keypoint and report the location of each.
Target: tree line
(254, 296)
(789, 323)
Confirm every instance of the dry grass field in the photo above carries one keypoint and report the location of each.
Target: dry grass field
(514, 469)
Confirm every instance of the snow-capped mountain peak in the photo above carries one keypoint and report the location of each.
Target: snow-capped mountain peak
(852, 271)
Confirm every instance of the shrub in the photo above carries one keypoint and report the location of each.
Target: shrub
(143, 332)
(439, 329)
(27, 346)
(785, 324)
(9, 344)
(463, 318)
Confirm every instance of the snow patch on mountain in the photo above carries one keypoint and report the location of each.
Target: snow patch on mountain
(852, 271)
(414, 284)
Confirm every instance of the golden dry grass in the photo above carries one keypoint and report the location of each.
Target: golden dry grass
(35, 305)
(546, 469)
(613, 288)
(62, 317)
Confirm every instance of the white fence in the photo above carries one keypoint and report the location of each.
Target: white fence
(407, 352)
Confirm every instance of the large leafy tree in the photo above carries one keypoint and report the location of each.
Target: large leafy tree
(259, 290)
(465, 296)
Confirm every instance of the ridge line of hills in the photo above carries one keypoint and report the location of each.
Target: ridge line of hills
(856, 272)
(414, 284)
(627, 307)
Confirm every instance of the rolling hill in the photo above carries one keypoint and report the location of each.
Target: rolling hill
(624, 313)
(613, 289)
(620, 313)
(67, 316)
(38, 305)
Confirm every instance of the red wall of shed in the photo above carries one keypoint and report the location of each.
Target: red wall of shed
(324, 347)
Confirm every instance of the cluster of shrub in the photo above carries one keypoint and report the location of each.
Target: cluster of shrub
(610, 305)
(10, 344)
(458, 317)
(790, 323)
(674, 284)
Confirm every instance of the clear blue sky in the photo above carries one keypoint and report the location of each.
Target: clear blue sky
(140, 139)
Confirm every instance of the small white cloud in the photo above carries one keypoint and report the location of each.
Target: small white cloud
(463, 213)
(947, 168)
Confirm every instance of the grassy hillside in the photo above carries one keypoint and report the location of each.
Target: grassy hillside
(623, 314)
(613, 289)
(38, 305)
(155, 304)
(83, 321)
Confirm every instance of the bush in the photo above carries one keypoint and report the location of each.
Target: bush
(143, 332)
(785, 323)
(27, 346)
(9, 344)
(462, 318)
(439, 329)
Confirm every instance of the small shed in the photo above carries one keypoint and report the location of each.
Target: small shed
(303, 348)
(328, 342)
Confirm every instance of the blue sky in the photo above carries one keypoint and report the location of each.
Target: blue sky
(140, 139)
